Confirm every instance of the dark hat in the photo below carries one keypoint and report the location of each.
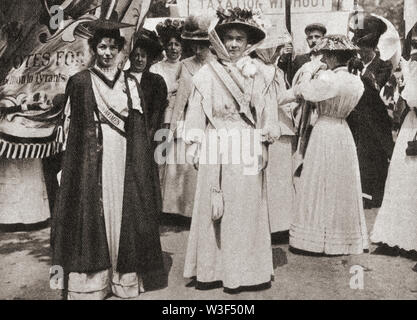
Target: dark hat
(169, 29)
(316, 26)
(368, 31)
(108, 23)
(196, 28)
(240, 18)
(148, 40)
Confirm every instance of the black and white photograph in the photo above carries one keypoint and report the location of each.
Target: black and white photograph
(209, 150)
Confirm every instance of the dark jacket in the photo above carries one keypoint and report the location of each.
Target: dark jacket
(78, 235)
(290, 70)
(371, 127)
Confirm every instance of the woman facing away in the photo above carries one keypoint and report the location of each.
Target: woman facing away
(180, 177)
(229, 239)
(105, 234)
(330, 218)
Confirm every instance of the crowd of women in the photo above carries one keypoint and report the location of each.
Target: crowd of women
(218, 77)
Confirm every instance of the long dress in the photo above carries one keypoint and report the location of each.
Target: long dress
(23, 194)
(180, 177)
(279, 173)
(170, 72)
(236, 251)
(329, 217)
(98, 280)
(396, 222)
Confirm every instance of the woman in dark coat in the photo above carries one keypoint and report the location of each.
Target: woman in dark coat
(370, 123)
(105, 233)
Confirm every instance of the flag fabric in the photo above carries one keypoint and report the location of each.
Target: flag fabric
(36, 63)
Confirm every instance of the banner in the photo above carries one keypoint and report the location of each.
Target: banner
(334, 14)
(40, 49)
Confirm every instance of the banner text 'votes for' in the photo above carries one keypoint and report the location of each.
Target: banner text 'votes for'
(264, 6)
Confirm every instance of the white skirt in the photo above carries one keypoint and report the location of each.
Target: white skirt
(396, 223)
(280, 185)
(330, 217)
(23, 195)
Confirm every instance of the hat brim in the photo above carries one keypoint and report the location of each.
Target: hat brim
(195, 38)
(255, 34)
(107, 25)
(315, 27)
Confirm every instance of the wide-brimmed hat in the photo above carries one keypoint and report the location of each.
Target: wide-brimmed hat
(335, 42)
(148, 40)
(316, 26)
(196, 28)
(108, 21)
(242, 19)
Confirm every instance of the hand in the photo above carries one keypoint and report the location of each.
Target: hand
(263, 159)
(288, 49)
(196, 163)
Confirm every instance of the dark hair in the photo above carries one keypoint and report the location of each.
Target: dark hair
(167, 38)
(103, 33)
(355, 65)
(347, 58)
(151, 54)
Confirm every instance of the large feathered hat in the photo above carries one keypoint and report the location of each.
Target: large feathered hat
(335, 42)
(169, 29)
(240, 18)
(196, 28)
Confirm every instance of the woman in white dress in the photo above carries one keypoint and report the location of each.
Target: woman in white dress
(169, 33)
(181, 177)
(396, 223)
(330, 218)
(229, 239)
(279, 173)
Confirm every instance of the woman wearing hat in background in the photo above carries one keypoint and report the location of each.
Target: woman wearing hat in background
(370, 122)
(330, 218)
(105, 231)
(169, 33)
(152, 86)
(181, 177)
(229, 239)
